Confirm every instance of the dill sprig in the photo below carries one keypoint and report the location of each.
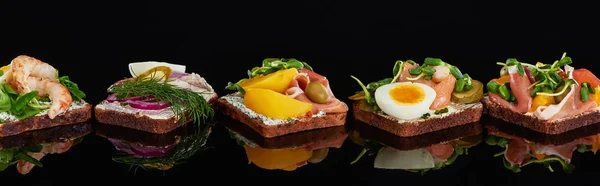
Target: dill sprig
(185, 149)
(183, 102)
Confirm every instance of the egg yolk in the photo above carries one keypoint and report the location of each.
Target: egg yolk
(407, 94)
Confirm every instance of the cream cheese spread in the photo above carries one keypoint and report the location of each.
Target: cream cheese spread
(74, 106)
(238, 102)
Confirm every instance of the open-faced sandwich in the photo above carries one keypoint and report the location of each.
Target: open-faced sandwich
(283, 96)
(27, 149)
(548, 98)
(145, 150)
(523, 146)
(288, 152)
(33, 96)
(157, 99)
(422, 153)
(419, 99)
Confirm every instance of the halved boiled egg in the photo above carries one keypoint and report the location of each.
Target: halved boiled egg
(405, 100)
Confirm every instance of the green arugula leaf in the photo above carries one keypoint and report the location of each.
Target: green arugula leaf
(72, 87)
(23, 100)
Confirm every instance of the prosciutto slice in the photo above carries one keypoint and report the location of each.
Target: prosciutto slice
(571, 105)
(564, 151)
(518, 86)
(516, 151)
(441, 152)
(299, 83)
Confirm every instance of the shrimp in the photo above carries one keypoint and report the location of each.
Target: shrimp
(24, 167)
(23, 67)
(58, 94)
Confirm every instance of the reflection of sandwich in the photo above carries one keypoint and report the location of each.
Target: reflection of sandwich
(548, 98)
(33, 96)
(287, 152)
(27, 149)
(420, 153)
(155, 151)
(158, 98)
(418, 99)
(524, 146)
(283, 96)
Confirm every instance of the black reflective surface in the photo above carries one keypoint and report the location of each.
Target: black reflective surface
(93, 42)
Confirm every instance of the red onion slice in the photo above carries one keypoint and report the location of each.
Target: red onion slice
(139, 151)
(175, 74)
(148, 105)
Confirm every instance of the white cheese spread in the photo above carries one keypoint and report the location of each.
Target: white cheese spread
(238, 102)
(452, 108)
(74, 106)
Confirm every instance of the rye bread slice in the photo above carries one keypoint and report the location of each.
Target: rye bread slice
(312, 139)
(43, 121)
(49, 135)
(367, 131)
(142, 122)
(465, 114)
(536, 124)
(292, 126)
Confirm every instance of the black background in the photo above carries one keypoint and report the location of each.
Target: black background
(93, 42)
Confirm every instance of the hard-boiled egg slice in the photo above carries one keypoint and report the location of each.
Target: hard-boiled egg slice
(405, 100)
(138, 68)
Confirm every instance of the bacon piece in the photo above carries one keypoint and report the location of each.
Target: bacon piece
(516, 151)
(441, 151)
(299, 83)
(518, 86)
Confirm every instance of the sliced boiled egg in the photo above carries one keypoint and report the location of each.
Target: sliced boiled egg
(405, 100)
(138, 68)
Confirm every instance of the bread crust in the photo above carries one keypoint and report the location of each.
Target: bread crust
(270, 131)
(362, 112)
(42, 122)
(536, 124)
(141, 122)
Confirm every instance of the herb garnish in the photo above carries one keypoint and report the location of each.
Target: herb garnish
(502, 142)
(183, 102)
(185, 149)
(269, 65)
(547, 79)
(441, 111)
(426, 115)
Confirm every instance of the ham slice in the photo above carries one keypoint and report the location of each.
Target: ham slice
(299, 83)
(517, 151)
(441, 152)
(518, 86)
(571, 105)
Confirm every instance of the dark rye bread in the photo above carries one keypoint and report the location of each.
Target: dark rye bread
(42, 122)
(270, 131)
(312, 139)
(50, 135)
(363, 112)
(498, 127)
(366, 131)
(543, 126)
(142, 122)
